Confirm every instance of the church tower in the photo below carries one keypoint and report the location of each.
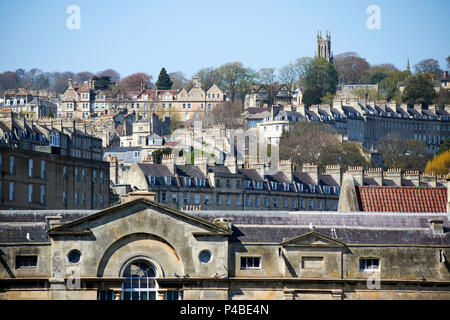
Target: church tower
(324, 47)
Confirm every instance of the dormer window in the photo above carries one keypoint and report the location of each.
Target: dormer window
(300, 187)
(286, 186)
(274, 185)
(152, 179)
(200, 182)
(259, 185)
(247, 184)
(312, 188)
(326, 189)
(168, 180)
(187, 181)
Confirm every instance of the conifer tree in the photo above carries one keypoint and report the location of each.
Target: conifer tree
(164, 82)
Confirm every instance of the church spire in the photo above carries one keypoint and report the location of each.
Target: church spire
(407, 64)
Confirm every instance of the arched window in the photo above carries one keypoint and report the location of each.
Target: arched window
(140, 282)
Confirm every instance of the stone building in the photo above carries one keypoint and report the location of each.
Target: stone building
(324, 47)
(63, 137)
(368, 122)
(84, 101)
(143, 250)
(231, 186)
(48, 180)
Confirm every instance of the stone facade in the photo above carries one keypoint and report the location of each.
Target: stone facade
(40, 180)
(211, 256)
(84, 101)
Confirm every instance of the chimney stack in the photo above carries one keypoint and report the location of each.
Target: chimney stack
(259, 166)
(437, 226)
(169, 161)
(201, 163)
(376, 174)
(312, 170)
(414, 176)
(53, 221)
(358, 174)
(394, 175)
(230, 163)
(286, 167)
(336, 172)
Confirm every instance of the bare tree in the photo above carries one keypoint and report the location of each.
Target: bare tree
(136, 80)
(351, 69)
(430, 66)
(178, 79)
(80, 77)
(113, 74)
(306, 142)
(289, 76)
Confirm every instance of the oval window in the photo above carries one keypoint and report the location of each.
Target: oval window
(74, 256)
(204, 256)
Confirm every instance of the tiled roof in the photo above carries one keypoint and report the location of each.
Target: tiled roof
(402, 199)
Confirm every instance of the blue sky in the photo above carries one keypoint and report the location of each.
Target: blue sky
(145, 35)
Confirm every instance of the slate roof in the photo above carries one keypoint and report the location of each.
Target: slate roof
(303, 178)
(327, 180)
(251, 174)
(278, 177)
(350, 109)
(402, 199)
(156, 170)
(15, 224)
(257, 110)
(351, 228)
(219, 169)
(189, 171)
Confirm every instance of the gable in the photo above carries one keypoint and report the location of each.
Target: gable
(143, 213)
(313, 239)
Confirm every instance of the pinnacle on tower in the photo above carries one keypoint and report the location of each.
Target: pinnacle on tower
(407, 65)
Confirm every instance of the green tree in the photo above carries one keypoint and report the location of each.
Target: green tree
(158, 154)
(388, 87)
(102, 83)
(442, 97)
(419, 90)
(164, 82)
(444, 146)
(322, 76)
(311, 96)
(235, 79)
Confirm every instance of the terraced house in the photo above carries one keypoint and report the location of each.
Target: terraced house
(50, 167)
(84, 101)
(207, 186)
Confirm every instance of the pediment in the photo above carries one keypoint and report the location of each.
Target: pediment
(313, 239)
(80, 226)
